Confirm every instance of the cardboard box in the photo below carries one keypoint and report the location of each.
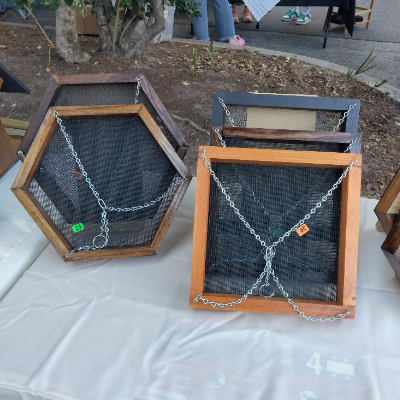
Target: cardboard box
(88, 25)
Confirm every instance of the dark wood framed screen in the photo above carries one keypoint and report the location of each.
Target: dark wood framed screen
(103, 89)
(335, 108)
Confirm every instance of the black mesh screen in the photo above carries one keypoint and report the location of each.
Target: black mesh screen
(285, 145)
(110, 94)
(273, 199)
(126, 167)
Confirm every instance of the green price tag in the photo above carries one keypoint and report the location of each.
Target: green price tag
(78, 227)
(278, 233)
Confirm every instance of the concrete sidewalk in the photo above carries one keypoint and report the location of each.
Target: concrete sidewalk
(383, 36)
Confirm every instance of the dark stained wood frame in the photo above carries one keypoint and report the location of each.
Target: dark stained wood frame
(289, 102)
(280, 135)
(391, 247)
(57, 82)
(349, 225)
(388, 208)
(37, 152)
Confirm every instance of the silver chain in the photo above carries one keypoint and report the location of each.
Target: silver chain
(137, 89)
(270, 250)
(104, 221)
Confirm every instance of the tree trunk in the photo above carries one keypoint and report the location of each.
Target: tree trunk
(151, 31)
(128, 26)
(102, 23)
(67, 43)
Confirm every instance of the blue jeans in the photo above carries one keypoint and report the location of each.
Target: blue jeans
(223, 20)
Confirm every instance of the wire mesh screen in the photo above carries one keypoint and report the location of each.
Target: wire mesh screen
(285, 145)
(273, 199)
(127, 168)
(110, 94)
(324, 120)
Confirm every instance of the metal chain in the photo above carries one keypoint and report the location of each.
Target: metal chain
(270, 250)
(137, 89)
(104, 221)
(351, 106)
(228, 114)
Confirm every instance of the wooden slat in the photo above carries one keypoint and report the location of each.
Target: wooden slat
(278, 157)
(283, 134)
(1, 82)
(102, 111)
(348, 243)
(200, 230)
(275, 305)
(14, 123)
(8, 155)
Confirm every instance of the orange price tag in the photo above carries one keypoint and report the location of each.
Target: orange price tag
(301, 230)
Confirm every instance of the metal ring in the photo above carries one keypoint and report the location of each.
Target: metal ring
(105, 241)
(266, 285)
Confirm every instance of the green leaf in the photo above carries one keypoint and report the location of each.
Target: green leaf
(48, 34)
(110, 12)
(18, 7)
(69, 2)
(54, 7)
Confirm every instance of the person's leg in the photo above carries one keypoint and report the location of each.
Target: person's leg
(247, 15)
(292, 14)
(223, 20)
(305, 17)
(200, 25)
(235, 14)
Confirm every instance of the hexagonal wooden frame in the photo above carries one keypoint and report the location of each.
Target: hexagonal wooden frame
(58, 82)
(349, 225)
(38, 150)
(388, 208)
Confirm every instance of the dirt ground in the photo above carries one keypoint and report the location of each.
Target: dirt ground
(188, 99)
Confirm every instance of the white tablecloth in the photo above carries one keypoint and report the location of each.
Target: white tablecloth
(122, 330)
(21, 241)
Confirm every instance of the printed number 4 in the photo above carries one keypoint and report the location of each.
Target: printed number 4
(315, 363)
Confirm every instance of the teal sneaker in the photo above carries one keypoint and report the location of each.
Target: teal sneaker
(303, 19)
(291, 16)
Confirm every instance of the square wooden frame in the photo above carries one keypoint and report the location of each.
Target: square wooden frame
(283, 135)
(388, 208)
(349, 225)
(38, 150)
(58, 82)
(289, 102)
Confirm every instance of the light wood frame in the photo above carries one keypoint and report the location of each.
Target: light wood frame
(37, 152)
(283, 135)
(349, 225)
(388, 208)
(56, 83)
(8, 155)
